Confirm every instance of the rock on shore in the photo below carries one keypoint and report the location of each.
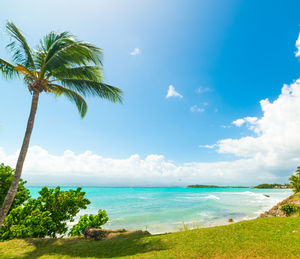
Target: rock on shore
(275, 210)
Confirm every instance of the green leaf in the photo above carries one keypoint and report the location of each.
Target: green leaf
(7, 69)
(92, 88)
(72, 96)
(21, 52)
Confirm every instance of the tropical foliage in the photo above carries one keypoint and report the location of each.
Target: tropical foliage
(46, 215)
(295, 180)
(289, 209)
(61, 65)
(272, 186)
(6, 177)
(91, 221)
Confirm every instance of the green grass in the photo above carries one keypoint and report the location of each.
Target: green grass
(259, 238)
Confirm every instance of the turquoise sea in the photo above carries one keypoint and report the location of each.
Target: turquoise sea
(166, 209)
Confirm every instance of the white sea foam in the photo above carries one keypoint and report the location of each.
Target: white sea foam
(214, 197)
(194, 197)
(203, 214)
(143, 198)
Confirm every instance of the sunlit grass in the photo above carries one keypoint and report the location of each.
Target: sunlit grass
(259, 238)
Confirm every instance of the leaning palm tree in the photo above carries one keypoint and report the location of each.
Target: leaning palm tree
(60, 65)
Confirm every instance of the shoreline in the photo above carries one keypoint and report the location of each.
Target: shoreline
(274, 211)
(168, 210)
(225, 222)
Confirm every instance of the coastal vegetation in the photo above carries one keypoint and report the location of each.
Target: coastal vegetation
(6, 177)
(89, 221)
(276, 237)
(272, 186)
(294, 183)
(291, 205)
(47, 215)
(286, 208)
(213, 186)
(260, 186)
(295, 180)
(289, 209)
(61, 65)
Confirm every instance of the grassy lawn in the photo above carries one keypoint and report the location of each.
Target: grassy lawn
(259, 238)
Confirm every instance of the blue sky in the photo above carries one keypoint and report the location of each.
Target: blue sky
(236, 52)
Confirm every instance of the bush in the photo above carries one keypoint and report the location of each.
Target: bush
(6, 177)
(92, 221)
(295, 181)
(45, 216)
(27, 221)
(289, 209)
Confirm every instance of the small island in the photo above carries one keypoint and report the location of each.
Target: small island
(213, 186)
(272, 186)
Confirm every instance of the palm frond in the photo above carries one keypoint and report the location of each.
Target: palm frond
(21, 52)
(28, 76)
(93, 88)
(46, 47)
(67, 51)
(72, 96)
(61, 65)
(73, 53)
(93, 73)
(8, 70)
(47, 42)
(23, 70)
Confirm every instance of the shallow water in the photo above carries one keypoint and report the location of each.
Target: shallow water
(167, 209)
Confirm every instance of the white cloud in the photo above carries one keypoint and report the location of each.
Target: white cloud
(269, 154)
(238, 122)
(43, 168)
(196, 108)
(202, 90)
(208, 146)
(298, 46)
(249, 120)
(276, 141)
(173, 93)
(135, 52)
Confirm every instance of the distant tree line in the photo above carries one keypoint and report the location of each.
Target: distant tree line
(272, 186)
(213, 186)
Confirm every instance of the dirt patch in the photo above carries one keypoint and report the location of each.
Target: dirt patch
(104, 234)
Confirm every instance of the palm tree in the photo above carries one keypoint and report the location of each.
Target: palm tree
(295, 180)
(60, 65)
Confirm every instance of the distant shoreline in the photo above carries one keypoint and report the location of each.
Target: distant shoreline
(260, 186)
(189, 186)
(214, 186)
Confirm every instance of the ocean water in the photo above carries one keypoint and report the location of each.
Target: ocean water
(161, 210)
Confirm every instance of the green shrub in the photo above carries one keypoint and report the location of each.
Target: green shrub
(28, 221)
(295, 181)
(92, 221)
(45, 216)
(6, 177)
(289, 209)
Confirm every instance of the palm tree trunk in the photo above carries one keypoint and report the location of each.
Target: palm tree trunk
(14, 185)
